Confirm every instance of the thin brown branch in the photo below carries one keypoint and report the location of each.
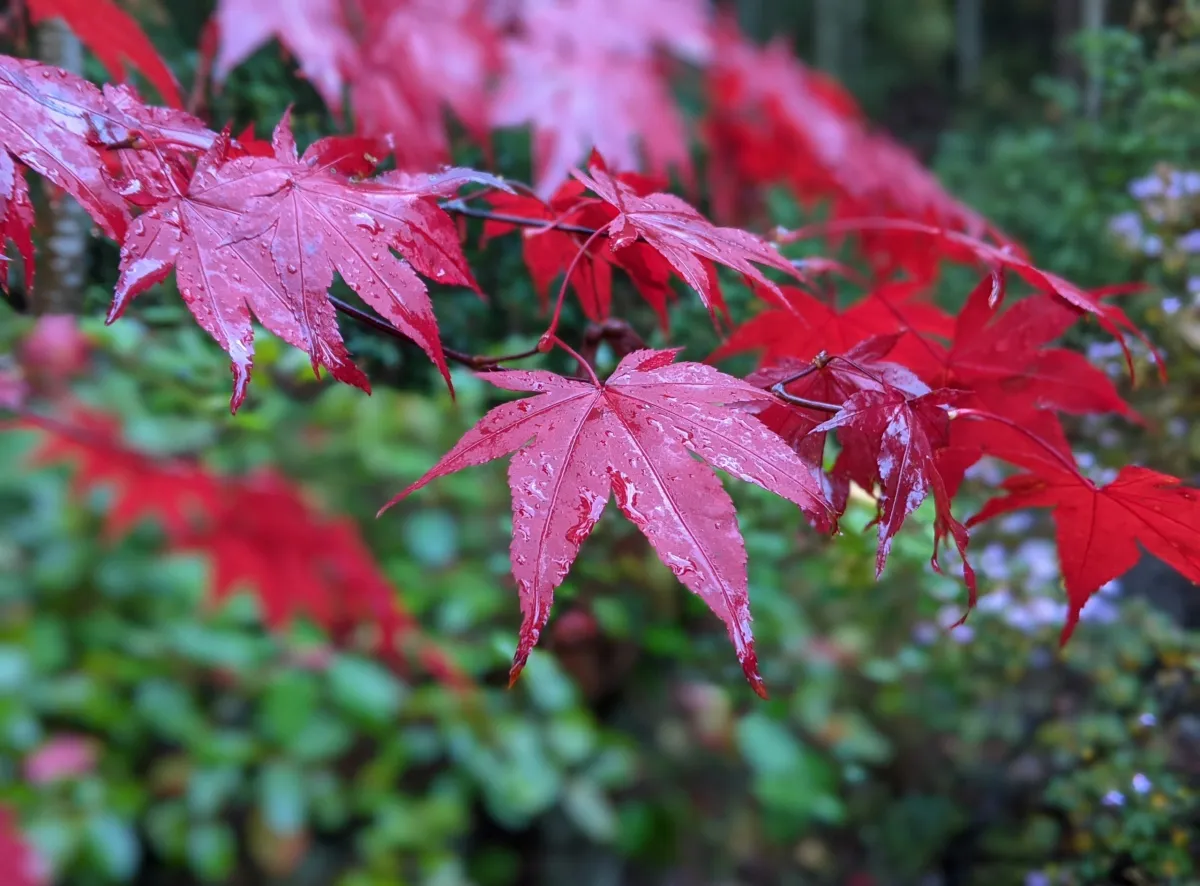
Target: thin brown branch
(458, 207)
(478, 362)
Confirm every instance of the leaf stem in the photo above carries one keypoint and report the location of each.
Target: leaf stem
(587, 367)
(551, 332)
(1062, 459)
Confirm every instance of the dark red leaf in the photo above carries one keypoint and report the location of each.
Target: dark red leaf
(894, 442)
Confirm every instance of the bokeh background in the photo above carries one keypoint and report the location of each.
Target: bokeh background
(151, 737)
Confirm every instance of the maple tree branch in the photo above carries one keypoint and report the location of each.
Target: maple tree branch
(622, 337)
(458, 207)
(819, 362)
(478, 362)
(804, 401)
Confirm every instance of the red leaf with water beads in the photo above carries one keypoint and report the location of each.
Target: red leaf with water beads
(633, 437)
(266, 234)
(1099, 528)
(682, 236)
(16, 218)
(894, 440)
(52, 121)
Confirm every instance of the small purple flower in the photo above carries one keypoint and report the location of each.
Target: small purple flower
(1100, 612)
(1145, 188)
(993, 562)
(1189, 242)
(1113, 798)
(1110, 588)
(1182, 184)
(1040, 558)
(1148, 719)
(1018, 617)
(1127, 227)
(1017, 524)
(1141, 784)
(997, 601)
(1171, 305)
(1152, 246)
(1193, 285)
(925, 633)
(1037, 878)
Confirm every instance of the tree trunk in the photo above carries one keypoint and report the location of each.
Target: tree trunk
(1093, 89)
(968, 40)
(62, 265)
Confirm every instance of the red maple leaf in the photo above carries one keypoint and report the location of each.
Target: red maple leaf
(314, 31)
(549, 251)
(893, 440)
(19, 864)
(16, 218)
(267, 234)
(415, 59)
(634, 437)
(799, 325)
(562, 244)
(259, 531)
(772, 119)
(927, 240)
(51, 121)
(1099, 528)
(688, 241)
(1003, 357)
(585, 74)
(115, 37)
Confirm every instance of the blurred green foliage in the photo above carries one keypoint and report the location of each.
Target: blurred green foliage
(630, 751)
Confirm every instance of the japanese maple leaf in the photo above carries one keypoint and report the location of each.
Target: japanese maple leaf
(115, 37)
(996, 259)
(1024, 435)
(51, 120)
(551, 250)
(1099, 528)
(16, 218)
(772, 120)
(685, 238)
(1003, 356)
(259, 532)
(416, 59)
(633, 436)
(894, 441)
(799, 325)
(585, 75)
(267, 234)
(19, 864)
(314, 31)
